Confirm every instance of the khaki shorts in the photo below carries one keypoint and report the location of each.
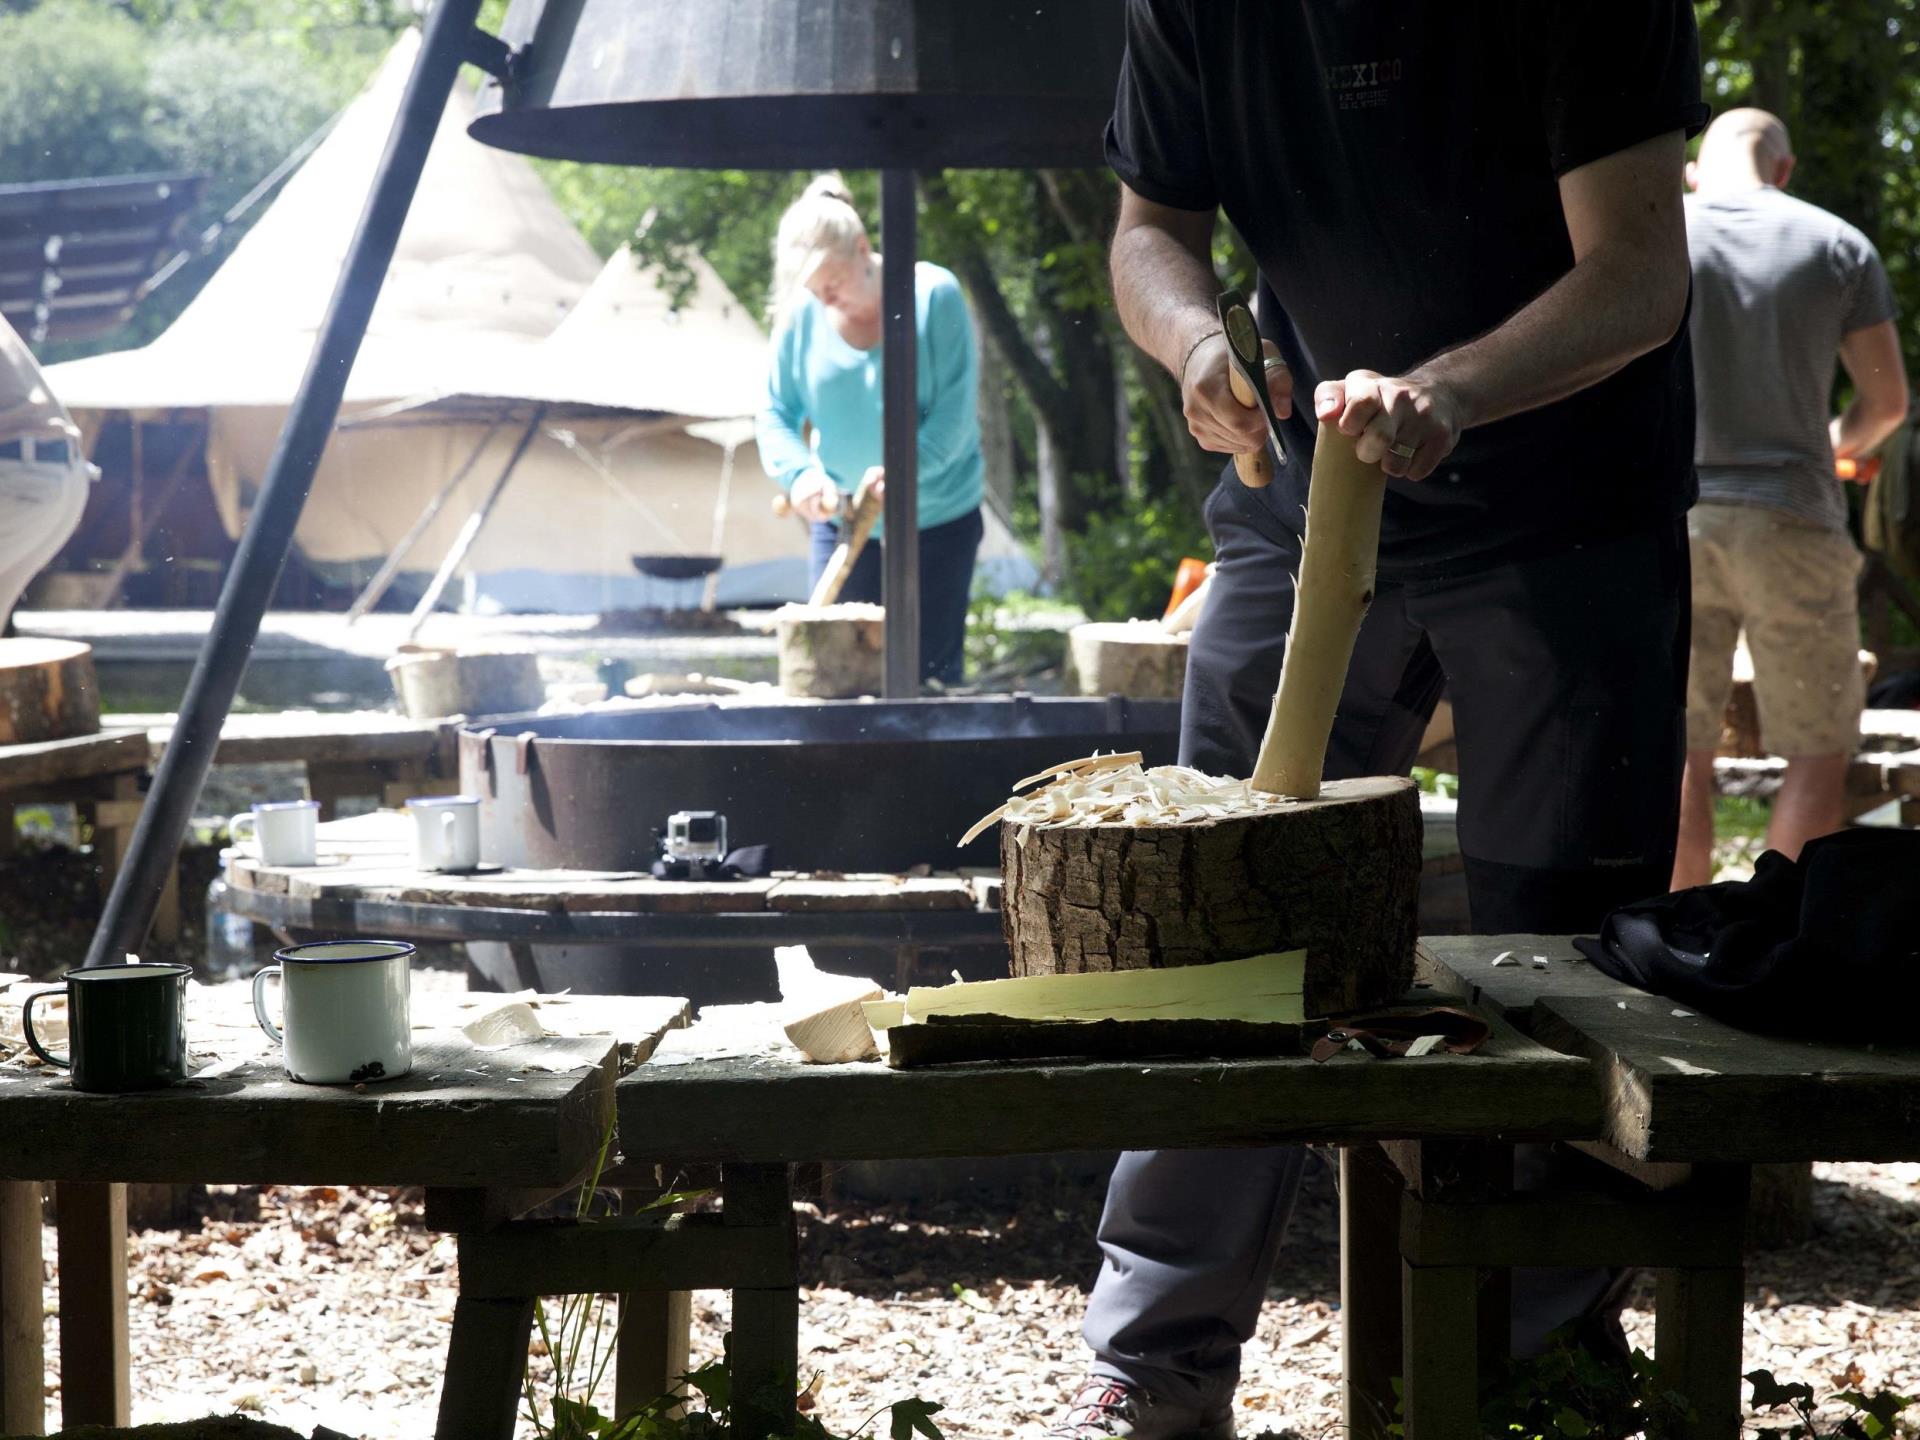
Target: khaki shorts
(1790, 585)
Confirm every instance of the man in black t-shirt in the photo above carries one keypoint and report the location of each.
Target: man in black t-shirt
(1472, 257)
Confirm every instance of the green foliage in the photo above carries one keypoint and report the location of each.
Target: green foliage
(1123, 564)
(1437, 782)
(1866, 1417)
(671, 1417)
(1569, 1393)
(1013, 636)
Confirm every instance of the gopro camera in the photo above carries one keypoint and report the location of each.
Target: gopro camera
(697, 835)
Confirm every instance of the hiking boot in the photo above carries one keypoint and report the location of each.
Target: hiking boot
(1104, 1406)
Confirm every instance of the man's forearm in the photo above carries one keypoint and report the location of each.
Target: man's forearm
(1610, 308)
(1164, 292)
(1861, 427)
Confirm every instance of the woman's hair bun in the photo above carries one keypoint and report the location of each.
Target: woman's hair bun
(828, 185)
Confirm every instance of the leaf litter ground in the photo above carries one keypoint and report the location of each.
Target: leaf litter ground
(309, 1306)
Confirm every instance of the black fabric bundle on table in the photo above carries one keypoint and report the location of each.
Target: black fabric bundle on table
(1827, 946)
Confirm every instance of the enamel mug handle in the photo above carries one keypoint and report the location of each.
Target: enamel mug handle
(248, 819)
(272, 972)
(64, 1062)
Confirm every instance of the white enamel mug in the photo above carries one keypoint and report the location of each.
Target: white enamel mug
(283, 831)
(446, 832)
(343, 1003)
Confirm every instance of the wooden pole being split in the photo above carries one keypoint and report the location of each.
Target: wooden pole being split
(1330, 599)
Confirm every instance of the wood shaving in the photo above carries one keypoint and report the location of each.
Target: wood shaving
(1118, 790)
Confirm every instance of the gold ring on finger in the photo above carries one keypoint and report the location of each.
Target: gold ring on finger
(1405, 452)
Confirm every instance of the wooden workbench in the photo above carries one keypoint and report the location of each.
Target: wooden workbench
(102, 776)
(535, 1115)
(365, 753)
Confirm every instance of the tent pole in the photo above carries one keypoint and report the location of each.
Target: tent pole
(390, 567)
(154, 849)
(470, 532)
(900, 443)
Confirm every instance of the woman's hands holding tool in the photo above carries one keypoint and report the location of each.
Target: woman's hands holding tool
(1218, 421)
(814, 497)
(1406, 424)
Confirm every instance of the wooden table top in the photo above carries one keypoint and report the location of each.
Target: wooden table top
(528, 1114)
(309, 735)
(369, 860)
(730, 1088)
(109, 752)
(1684, 1087)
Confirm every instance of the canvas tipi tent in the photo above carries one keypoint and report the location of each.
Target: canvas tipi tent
(465, 340)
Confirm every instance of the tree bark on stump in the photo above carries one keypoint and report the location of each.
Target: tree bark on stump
(832, 652)
(1141, 659)
(47, 690)
(1338, 876)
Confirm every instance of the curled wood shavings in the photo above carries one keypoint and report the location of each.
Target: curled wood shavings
(1118, 790)
(1505, 957)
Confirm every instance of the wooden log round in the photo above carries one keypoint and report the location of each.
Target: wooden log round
(48, 690)
(1337, 876)
(1138, 658)
(434, 682)
(831, 652)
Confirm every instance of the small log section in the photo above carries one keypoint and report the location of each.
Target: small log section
(1337, 876)
(1137, 658)
(1331, 597)
(47, 691)
(430, 683)
(831, 652)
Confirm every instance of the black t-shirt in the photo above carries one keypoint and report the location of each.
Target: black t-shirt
(1393, 165)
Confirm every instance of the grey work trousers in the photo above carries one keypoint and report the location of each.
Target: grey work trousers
(1568, 677)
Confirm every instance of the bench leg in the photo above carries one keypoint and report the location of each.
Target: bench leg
(1369, 1289)
(1697, 1344)
(765, 1354)
(23, 1395)
(96, 1386)
(1441, 1388)
(486, 1365)
(653, 1347)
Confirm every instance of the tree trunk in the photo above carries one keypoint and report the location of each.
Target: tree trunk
(1338, 877)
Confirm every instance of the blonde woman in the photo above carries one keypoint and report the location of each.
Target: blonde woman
(824, 373)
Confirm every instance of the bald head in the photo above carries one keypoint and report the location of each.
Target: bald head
(1742, 150)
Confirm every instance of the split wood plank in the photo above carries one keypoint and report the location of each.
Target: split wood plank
(1686, 1087)
(872, 892)
(111, 752)
(764, 1103)
(462, 1118)
(1462, 966)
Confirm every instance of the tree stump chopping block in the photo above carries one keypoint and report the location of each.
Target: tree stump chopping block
(831, 652)
(1337, 876)
(47, 690)
(1137, 658)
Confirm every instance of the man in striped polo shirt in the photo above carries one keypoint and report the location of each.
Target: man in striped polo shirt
(1780, 289)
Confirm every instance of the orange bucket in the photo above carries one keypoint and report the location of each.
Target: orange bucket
(1185, 581)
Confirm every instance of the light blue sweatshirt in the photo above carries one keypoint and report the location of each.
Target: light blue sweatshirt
(816, 377)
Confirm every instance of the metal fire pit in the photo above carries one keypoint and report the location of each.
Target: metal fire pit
(829, 785)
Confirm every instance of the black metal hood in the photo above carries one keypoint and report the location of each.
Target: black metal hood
(795, 84)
